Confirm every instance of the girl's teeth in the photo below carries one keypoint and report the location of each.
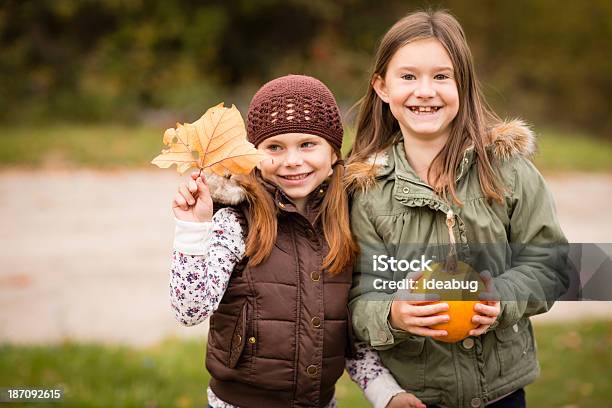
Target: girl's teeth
(298, 177)
(424, 109)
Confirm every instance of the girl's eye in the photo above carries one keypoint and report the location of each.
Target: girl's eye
(441, 77)
(408, 77)
(274, 148)
(307, 144)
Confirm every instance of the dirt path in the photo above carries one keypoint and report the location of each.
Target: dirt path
(85, 254)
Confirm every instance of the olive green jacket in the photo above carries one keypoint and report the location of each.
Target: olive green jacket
(520, 242)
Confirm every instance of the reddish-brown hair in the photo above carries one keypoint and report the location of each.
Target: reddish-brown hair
(333, 215)
(376, 125)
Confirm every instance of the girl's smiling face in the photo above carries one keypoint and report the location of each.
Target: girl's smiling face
(420, 88)
(298, 163)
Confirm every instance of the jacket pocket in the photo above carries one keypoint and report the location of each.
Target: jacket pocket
(238, 337)
(515, 348)
(413, 346)
(407, 362)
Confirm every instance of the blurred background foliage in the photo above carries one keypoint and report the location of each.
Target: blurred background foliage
(156, 62)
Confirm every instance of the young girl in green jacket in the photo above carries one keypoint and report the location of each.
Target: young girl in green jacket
(438, 176)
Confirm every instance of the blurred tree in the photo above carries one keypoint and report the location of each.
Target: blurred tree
(101, 59)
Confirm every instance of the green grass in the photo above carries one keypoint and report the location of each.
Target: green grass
(170, 374)
(567, 152)
(80, 146)
(576, 362)
(108, 146)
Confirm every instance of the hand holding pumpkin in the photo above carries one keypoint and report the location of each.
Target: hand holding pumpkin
(415, 312)
(488, 308)
(462, 314)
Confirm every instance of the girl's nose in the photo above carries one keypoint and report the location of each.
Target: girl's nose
(424, 90)
(293, 158)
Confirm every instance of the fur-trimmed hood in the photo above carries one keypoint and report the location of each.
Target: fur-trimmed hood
(508, 139)
(226, 190)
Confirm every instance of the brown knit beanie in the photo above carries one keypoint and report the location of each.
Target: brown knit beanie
(294, 104)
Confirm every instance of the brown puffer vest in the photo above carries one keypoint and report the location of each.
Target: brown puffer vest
(281, 332)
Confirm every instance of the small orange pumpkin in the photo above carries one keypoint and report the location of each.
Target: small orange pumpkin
(460, 301)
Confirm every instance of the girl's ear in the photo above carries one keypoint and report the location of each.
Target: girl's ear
(334, 159)
(378, 83)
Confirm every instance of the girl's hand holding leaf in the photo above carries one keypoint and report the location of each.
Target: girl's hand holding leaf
(192, 202)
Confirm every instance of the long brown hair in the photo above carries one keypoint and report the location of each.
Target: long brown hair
(333, 214)
(376, 125)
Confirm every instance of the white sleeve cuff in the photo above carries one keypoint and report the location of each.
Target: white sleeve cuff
(192, 238)
(381, 389)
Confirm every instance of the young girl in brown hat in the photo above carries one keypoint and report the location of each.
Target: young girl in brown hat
(272, 267)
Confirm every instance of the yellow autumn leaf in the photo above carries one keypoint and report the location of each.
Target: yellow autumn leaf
(183, 148)
(225, 149)
(216, 142)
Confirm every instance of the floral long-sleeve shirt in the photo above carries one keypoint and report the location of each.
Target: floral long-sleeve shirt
(203, 259)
